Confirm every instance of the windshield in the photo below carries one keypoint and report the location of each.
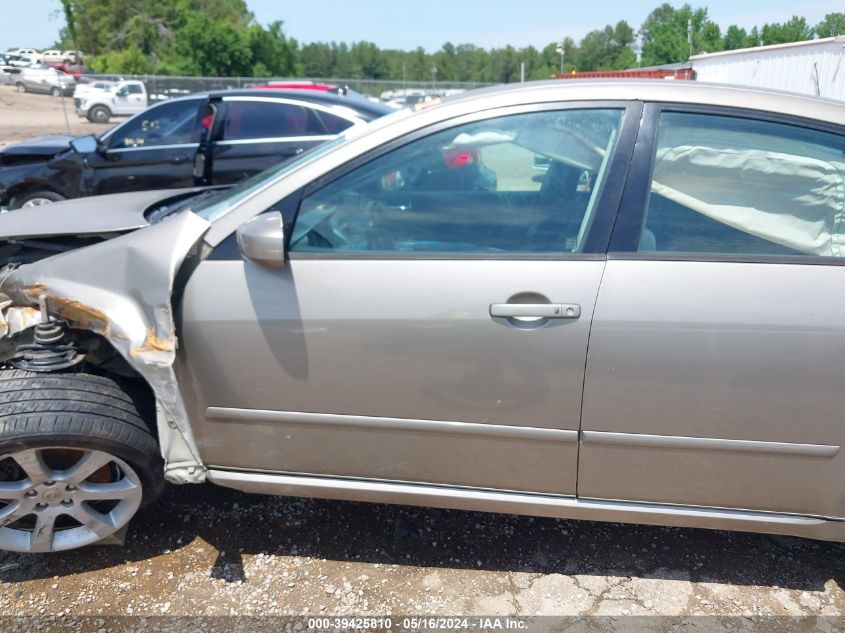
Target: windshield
(218, 206)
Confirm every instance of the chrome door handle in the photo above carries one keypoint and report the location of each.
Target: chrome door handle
(536, 310)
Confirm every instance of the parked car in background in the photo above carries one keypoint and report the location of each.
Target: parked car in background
(84, 89)
(73, 71)
(30, 60)
(18, 61)
(299, 85)
(45, 79)
(126, 98)
(7, 71)
(53, 56)
(203, 139)
(87, 82)
(363, 323)
(23, 51)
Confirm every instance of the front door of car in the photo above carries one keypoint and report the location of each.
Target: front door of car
(258, 132)
(715, 370)
(432, 322)
(154, 150)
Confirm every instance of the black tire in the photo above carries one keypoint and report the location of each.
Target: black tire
(77, 410)
(56, 91)
(99, 114)
(20, 87)
(36, 194)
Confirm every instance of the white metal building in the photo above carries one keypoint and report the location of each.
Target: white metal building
(815, 67)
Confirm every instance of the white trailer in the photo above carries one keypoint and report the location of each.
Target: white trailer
(814, 67)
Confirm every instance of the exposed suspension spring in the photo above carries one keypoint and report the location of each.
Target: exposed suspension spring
(48, 350)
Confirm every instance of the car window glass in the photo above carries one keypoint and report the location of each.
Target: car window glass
(263, 119)
(525, 183)
(733, 186)
(135, 89)
(169, 123)
(333, 123)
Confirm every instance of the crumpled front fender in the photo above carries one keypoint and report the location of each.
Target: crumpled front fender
(121, 289)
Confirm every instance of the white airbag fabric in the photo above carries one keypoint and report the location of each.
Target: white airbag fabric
(793, 200)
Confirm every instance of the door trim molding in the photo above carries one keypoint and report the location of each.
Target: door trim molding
(531, 504)
(120, 150)
(277, 139)
(675, 442)
(364, 422)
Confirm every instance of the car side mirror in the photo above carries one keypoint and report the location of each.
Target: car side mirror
(262, 240)
(85, 144)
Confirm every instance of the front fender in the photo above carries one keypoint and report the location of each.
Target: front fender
(121, 289)
(13, 176)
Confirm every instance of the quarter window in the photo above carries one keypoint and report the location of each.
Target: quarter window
(334, 124)
(733, 186)
(525, 183)
(262, 119)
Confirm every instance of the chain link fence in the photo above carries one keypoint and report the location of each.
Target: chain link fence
(161, 87)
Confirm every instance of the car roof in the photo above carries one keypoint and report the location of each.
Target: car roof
(677, 91)
(359, 104)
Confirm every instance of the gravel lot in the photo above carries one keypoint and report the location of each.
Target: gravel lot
(202, 550)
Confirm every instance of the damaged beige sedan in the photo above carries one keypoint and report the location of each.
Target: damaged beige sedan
(612, 301)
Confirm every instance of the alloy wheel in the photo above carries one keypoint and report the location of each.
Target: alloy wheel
(59, 498)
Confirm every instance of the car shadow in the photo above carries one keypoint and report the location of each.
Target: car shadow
(236, 523)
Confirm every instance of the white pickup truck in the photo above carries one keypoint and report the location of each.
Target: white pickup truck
(98, 105)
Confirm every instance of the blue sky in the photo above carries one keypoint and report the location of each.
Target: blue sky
(430, 23)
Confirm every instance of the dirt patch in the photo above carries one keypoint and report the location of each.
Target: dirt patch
(26, 116)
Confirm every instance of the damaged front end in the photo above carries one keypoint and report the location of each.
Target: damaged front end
(118, 291)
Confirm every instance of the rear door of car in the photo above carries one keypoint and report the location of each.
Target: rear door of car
(716, 369)
(432, 322)
(259, 132)
(154, 150)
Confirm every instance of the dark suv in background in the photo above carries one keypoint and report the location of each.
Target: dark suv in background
(215, 138)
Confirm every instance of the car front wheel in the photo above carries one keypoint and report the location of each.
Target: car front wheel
(35, 199)
(56, 91)
(20, 86)
(76, 460)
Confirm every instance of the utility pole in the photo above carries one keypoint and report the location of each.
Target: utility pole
(689, 36)
(561, 49)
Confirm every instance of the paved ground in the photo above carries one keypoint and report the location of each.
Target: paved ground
(202, 550)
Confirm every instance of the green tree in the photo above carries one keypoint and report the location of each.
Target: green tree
(735, 37)
(795, 29)
(664, 34)
(212, 48)
(273, 54)
(607, 49)
(368, 60)
(129, 61)
(832, 25)
(317, 60)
